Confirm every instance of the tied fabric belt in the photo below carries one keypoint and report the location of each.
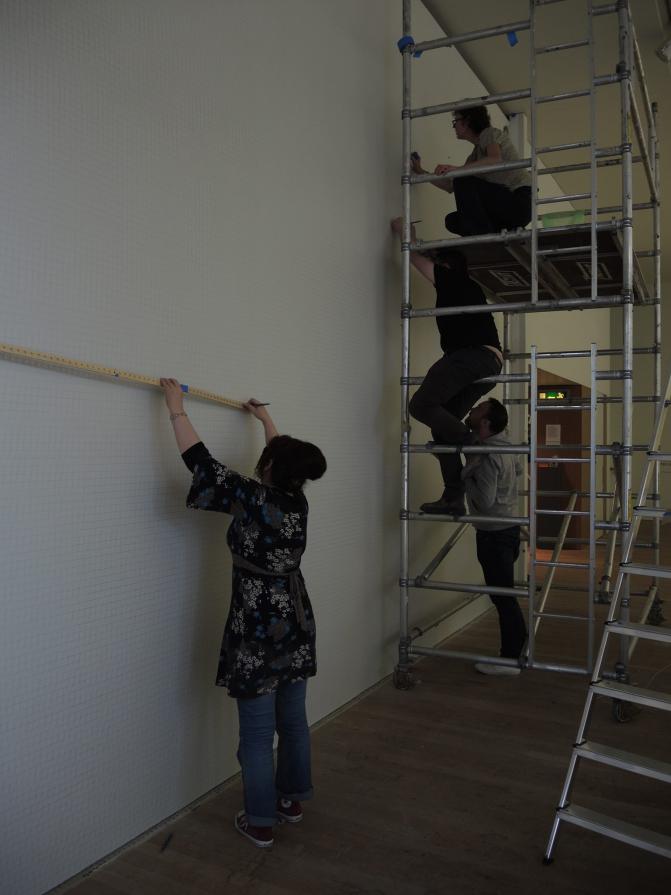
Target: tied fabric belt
(296, 584)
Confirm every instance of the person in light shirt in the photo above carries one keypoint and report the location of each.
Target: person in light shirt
(486, 202)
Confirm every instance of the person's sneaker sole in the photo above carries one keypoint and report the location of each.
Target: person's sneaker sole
(259, 843)
(287, 819)
(501, 670)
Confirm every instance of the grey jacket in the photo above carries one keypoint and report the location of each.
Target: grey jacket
(491, 484)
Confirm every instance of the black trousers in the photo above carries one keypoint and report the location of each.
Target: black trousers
(485, 207)
(497, 552)
(445, 397)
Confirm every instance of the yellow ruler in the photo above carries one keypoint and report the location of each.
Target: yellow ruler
(43, 358)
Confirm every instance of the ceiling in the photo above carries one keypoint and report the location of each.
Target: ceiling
(503, 68)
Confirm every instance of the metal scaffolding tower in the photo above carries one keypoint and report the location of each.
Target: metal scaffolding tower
(548, 256)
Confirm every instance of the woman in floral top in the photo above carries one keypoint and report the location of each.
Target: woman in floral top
(268, 649)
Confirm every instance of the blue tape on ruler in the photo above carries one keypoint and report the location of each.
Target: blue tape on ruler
(185, 388)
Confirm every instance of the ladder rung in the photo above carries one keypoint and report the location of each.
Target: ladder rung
(627, 693)
(568, 251)
(652, 512)
(646, 632)
(627, 761)
(568, 46)
(659, 456)
(617, 829)
(630, 568)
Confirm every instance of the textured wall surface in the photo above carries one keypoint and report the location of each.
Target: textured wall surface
(198, 189)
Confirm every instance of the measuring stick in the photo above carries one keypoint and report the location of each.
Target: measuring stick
(43, 358)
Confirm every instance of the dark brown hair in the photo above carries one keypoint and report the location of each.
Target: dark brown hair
(293, 461)
(477, 118)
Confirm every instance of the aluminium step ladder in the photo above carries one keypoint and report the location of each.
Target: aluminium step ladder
(618, 625)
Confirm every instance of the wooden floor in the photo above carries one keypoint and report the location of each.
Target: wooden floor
(446, 788)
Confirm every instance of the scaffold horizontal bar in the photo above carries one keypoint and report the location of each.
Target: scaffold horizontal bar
(469, 36)
(600, 495)
(467, 172)
(522, 307)
(604, 9)
(554, 48)
(569, 250)
(586, 166)
(618, 209)
(610, 374)
(563, 147)
(601, 449)
(659, 456)
(456, 586)
(601, 352)
(436, 517)
(432, 448)
(572, 197)
(505, 377)
(453, 654)
(444, 108)
(584, 405)
(518, 235)
(563, 616)
(600, 81)
(497, 98)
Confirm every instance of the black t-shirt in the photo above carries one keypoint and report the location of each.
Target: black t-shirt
(455, 289)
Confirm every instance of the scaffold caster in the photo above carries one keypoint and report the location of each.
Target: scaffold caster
(403, 678)
(624, 712)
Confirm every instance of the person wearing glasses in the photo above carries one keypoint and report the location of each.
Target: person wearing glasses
(487, 202)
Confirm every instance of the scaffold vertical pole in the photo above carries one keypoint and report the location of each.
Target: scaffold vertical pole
(657, 286)
(533, 125)
(403, 677)
(625, 71)
(532, 499)
(591, 589)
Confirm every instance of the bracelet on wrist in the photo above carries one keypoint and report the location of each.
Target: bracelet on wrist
(173, 416)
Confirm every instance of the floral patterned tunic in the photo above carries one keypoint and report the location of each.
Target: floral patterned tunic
(269, 636)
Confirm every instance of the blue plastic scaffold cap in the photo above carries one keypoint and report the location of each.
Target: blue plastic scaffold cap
(512, 38)
(408, 41)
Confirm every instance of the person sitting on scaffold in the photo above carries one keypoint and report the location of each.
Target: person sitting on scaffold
(490, 202)
(472, 350)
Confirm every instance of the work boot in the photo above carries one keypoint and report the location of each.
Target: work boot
(445, 506)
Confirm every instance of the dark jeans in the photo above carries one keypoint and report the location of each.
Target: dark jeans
(485, 207)
(445, 397)
(497, 552)
(260, 716)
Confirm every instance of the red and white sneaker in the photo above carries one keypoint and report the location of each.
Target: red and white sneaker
(289, 812)
(260, 836)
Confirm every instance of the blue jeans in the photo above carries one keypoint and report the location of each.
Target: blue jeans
(282, 711)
